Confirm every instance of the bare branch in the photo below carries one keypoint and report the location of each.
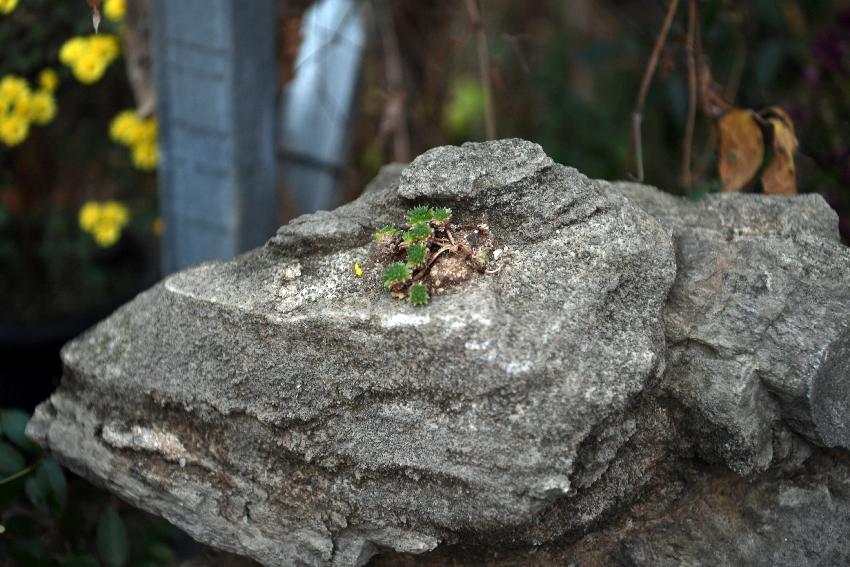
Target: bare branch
(637, 114)
(688, 141)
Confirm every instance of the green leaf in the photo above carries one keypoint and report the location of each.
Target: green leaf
(11, 486)
(11, 460)
(112, 538)
(47, 488)
(418, 294)
(79, 561)
(14, 424)
(29, 553)
(160, 553)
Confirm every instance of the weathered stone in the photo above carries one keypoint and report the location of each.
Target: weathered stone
(758, 322)
(305, 414)
(698, 516)
(279, 407)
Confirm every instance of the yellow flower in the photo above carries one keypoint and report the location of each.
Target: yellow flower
(145, 156)
(89, 68)
(147, 131)
(13, 86)
(115, 9)
(104, 46)
(104, 221)
(72, 50)
(42, 107)
(48, 80)
(13, 129)
(126, 128)
(106, 234)
(114, 212)
(89, 216)
(6, 6)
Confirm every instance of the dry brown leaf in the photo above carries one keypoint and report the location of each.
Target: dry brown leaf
(777, 112)
(780, 177)
(741, 148)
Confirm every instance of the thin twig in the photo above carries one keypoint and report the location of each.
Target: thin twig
(688, 141)
(483, 66)
(637, 115)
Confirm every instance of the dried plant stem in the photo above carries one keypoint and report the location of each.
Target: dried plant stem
(635, 148)
(483, 66)
(688, 141)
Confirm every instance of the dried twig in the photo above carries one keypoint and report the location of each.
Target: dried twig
(635, 149)
(688, 141)
(483, 66)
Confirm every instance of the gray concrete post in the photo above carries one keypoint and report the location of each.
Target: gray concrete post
(216, 74)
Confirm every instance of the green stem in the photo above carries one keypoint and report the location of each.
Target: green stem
(20, 474)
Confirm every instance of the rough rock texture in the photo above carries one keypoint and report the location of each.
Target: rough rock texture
(278, 407)
(758, 323)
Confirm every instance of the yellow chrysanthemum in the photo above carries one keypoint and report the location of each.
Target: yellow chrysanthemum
(115, 9)
(14, 129)
(89, 67)
(145, 156)
(13, 86)
(6, 105)
(89, 215)
(22, 105)
(114, 212)
(106, 234)
(72, 50)
(104, 221)
(147, 131)
(104, 46)
(126, 128)
(48, 80)
(6, 6)
(42, 107)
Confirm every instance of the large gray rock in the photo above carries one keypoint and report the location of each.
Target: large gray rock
(758, 323)
(279, 407)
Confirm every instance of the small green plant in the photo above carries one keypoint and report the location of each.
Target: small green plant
(419, 214)
(388, 232)
(429, 252)
(417, 255)
(419, 294)
(420, 231)
(396, 274)
(441, 216)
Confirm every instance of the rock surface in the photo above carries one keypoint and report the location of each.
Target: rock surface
(279, 407)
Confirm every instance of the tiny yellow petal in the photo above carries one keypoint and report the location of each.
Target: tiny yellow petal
(48, 80)
(89, 215)
(358, 271)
